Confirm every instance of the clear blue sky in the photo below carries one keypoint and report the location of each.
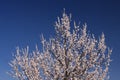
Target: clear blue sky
(22, 22)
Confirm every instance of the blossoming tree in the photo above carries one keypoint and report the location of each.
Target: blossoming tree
(73, 54)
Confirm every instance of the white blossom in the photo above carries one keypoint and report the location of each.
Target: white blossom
(71, 55)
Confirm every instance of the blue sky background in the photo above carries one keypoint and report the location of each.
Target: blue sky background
(22, 22)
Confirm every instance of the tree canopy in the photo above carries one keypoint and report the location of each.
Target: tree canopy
(73, 54)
